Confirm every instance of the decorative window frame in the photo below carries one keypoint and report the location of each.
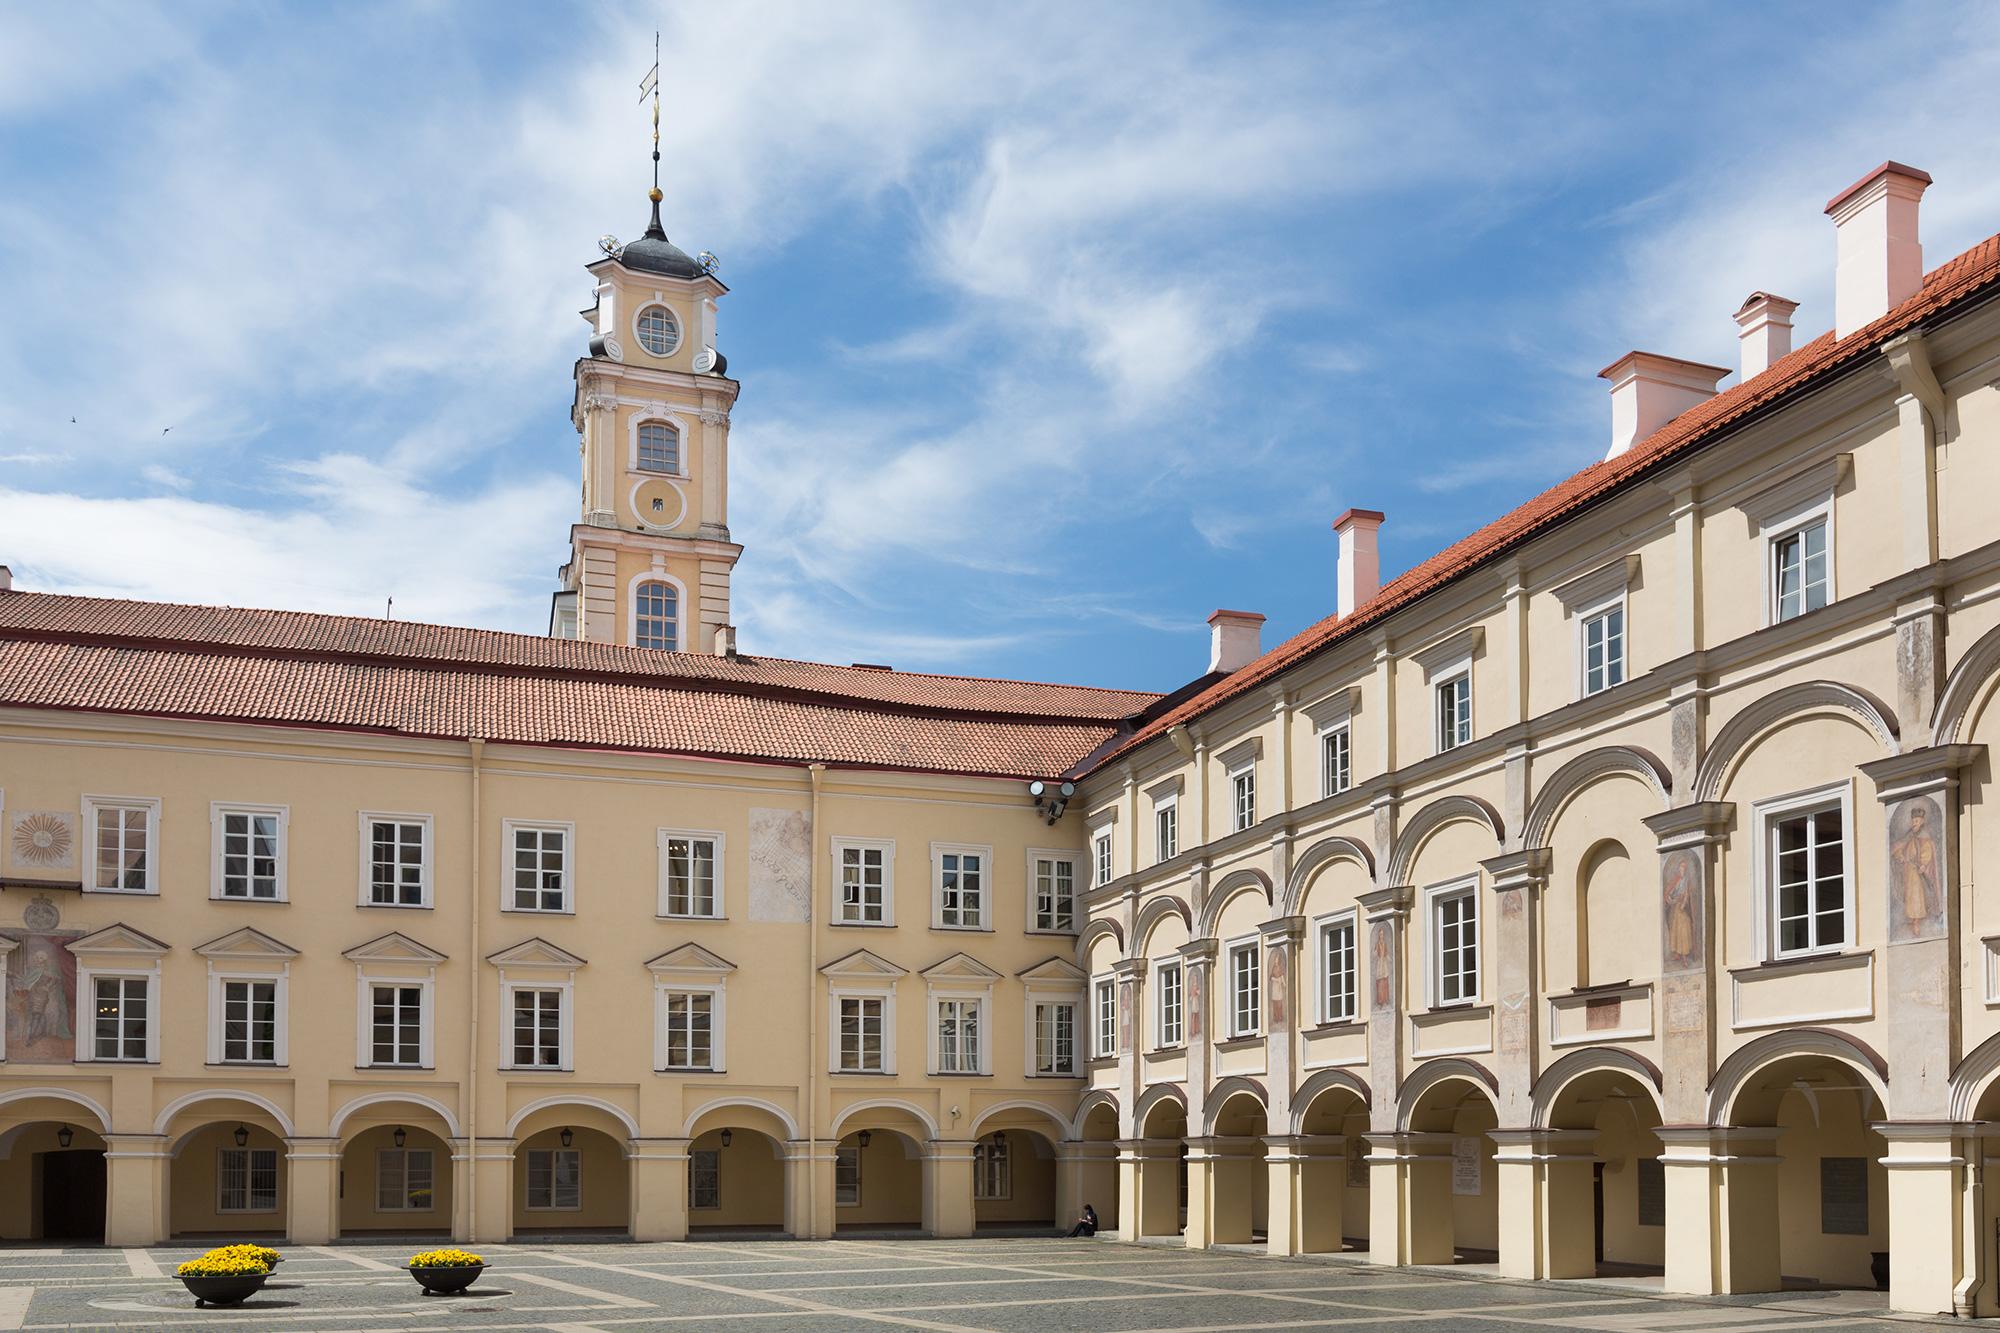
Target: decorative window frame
(959, 977)
(1466, 886)
(861, 975)
(1077, 887)
(939, 850)
(691, 970)
(92, 806)
(117, 951)
(1055, 982)
(640, 307)
(1331, 716)
(1446, 660)
(1778, 511)
(1158, 1015)
(535, 964)
(1764, 815)
(1103, 1046)
(217, 812)
(507, 830)
(656, 574)
(248, 955)
(664, 415)
(1166, 802)
(1102, 827)
(395, 960)
(1322, 980)
(721, 912)
(1231, 949)
(364, 881)
(1588, 596)
(1239, 762)
(836, 913)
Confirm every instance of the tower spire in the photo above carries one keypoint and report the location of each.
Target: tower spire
(651, 83)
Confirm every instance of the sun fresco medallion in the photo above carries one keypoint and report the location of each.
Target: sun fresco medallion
(45, 839)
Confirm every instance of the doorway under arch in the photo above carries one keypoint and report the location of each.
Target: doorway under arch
(736, 1173)
(52, 1177)
(1453, 1186)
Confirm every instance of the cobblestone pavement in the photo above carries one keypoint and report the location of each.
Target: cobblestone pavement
(753, 1286)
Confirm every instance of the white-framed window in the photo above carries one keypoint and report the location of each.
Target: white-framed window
(690, 873)
(1169, 1018)
(657, 329)
(865, 882)
(1601, 639)
(1100, 855)
(1104, 1017)
(656, 615)
(404, 1180)
(1055, 1038)
(992, 1168)
(249, 852)
(847, 1176)
(398, 1024)
(1245, 963)
(1166, 829)
(1801, 568)
(1806, 869)
(555, 1179)
(252, 1022)
(1052, 891)
(1336, 760)
(123, 1025)
(246, 1180)
(959, 902)
(1243, 797)
(958, 1035)
(659, 447)
(538, 1027)
(1338, 978)
(861, 1034)
(689, 1017)
(705, 1178)
(538, 865)
(124, 832)
(395, 860)
(1454, 922)
(1454, 711)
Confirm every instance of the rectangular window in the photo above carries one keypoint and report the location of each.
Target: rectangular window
(1604, 649)
(1055, 1039)
(122, 846)
(1455, 928)
(1800, 576)
(249, 858)
(992, 1168)
(1101, 853)
(1454, 715)
(1166, 831)
(688, 1035)
(861, 1035)
(961, 889)
(403, 1180)
(958, 1037)
(1336, 761)
(555, 1179)
(1167, 1025)
(1246, 989)
(1105, 998)
(705, 1178)
(540, 869)
(397, 873)
(1809, 880)
(1337, 976)
(250, 1022)
(847, 1176)
(538, 1029)
(123, 1012)
(1243, 798)
(398, 1023)
(246, 1180)
(1055, 893)
(689, 867)
(864, 885)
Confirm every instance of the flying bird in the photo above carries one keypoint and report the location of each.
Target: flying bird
(165, 429)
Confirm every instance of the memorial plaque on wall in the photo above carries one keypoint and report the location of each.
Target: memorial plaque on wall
(1652, 1192)
(1465, 1164)
(1843, 1196)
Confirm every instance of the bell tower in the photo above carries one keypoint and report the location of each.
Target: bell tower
(650, 555)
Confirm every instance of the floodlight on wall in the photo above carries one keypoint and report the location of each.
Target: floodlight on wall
(1051, 798)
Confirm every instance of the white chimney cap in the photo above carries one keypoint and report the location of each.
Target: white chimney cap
(1234, 640)
(1878, 252)
(1649, 390)
(1764, 329)
(1359, 577)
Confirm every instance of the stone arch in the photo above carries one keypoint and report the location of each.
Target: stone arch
(444, 1112)
(97, 1111)
(1104, 925)
(612, 1109)
(911, 1109)
(1150, 914)
(1966, 688)
(1747, 1061)
(1784, 705)
(1049, 1113)
(1433, 817)
(1579, 773)
(1093, 1099)
(1590, 1060)
(1319, 854)
(1152, 1097)
(1219, 1097)
(1431, 1074)
(1326, 1080)
(165, 1118)
(1235, 882)
(1970, 1080)
(772, 1109)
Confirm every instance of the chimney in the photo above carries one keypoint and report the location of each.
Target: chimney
(1234, 640)
(1878, 262)
(1764, 328)
(1360, 571)
(1648, 391)
(725, 641)
(6, 579)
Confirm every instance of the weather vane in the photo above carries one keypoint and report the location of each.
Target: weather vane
(651, 84)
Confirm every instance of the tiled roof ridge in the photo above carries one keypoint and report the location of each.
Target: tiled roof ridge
(1944, 287)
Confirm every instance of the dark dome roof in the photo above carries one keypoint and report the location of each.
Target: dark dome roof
(654, 253)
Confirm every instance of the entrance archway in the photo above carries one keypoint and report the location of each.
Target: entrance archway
(396, 1175)
(878, 1181)
(571, 1180)
(1453, 1194)
(1332, 1193)
(1097, 1168)
(736, 1173)
(1239, 1188)
(228, 1178)
(1014, 1181)
(1617, 1228)
(52, 1173)
(1162, 1172)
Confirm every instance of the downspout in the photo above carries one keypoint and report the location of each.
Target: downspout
(1965, 1296)
(815, 772)
(477, 745)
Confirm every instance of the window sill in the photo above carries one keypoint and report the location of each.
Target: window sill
(1170, 1048)
(1039, 1073)
(862, 1073)
(1336, 1028)
(1828, 960)
(864, 925)
(684, 1070)
(257, 902)
(963, 930)
(396, 1069)
(540, 911)
(1602, 987)
(687, 916)
(953, 1073)
(1241, 1042)
(401, 907)
(243, 1064)
(1455, 1009)
(1070, 932)
(126, 893)
(1099, 1062)
(536, 1069)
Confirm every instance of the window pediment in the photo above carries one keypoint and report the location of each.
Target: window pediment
(119, 941)
(535, 952)
(1335, 708)
(961, 967)
(246, 943)
(1244, 752)
(1167, 789)
(690, 958)
(1054, 971)
(862, 963)
(1600, 584)
(1786, 499)
(1449, 654)
(395, 947)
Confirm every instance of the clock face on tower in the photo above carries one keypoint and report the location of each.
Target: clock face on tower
(658, 503)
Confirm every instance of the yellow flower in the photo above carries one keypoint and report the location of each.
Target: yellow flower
(263, 1253)
(217, 1264)
(446, 1259)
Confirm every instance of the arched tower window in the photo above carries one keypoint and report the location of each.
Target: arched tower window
(659, 447)
(656, 615)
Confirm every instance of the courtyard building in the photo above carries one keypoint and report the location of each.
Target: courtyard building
(1598, 896)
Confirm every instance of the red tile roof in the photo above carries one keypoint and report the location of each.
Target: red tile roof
(1946, 286)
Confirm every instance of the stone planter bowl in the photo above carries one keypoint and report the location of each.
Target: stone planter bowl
(232, 1289)
(445, 1281)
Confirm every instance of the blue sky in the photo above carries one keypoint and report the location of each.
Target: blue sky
(1059, 326)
